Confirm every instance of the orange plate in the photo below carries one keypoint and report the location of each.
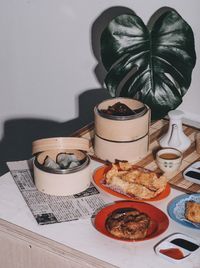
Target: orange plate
(159, 220)
(98, 177)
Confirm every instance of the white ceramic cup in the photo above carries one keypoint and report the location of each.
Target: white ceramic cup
(169, 159)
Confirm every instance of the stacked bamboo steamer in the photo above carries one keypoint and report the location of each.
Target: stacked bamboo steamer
(124, 138)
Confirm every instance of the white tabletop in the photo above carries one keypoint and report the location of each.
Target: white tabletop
(82, 236)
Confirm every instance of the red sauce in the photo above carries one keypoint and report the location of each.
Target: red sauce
(174, 253)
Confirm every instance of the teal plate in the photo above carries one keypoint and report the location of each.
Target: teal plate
(176, 209)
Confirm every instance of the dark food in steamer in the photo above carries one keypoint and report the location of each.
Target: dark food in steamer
(50, 163)
(63, 161)
(67, 160)
(120, 109)
(128, 223)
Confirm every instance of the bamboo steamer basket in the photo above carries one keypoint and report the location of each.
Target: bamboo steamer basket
(131, 151)
(121, 137)
(122, 128)
(61, 182)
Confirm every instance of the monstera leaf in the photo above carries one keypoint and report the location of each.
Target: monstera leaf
(152, 66)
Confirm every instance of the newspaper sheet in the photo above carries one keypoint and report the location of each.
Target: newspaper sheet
(49, 209)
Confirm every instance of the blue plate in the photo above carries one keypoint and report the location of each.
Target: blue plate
(176, 209)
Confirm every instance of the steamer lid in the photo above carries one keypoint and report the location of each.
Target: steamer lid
(57, 143)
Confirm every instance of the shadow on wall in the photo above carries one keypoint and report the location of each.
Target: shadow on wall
(97, 28)
(19, 134)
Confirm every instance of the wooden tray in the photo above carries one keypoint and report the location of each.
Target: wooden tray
(157, 129)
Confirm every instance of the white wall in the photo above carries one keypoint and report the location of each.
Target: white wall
(47, 59)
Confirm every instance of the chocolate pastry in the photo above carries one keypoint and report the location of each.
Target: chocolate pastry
(121, 109)
(128, 223)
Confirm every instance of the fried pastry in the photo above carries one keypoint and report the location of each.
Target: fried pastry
(192, 211)
(132, 181)
(128, 223)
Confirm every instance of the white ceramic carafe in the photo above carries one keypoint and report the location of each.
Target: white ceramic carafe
(175, 137)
